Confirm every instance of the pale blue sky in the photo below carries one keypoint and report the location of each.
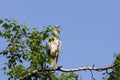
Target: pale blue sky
(90, 29)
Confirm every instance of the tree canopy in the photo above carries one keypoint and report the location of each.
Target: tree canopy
(27, 59)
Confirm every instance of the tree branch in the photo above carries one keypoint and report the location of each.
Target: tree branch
(68, 70)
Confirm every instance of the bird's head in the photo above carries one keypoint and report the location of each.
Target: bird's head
(56, 29)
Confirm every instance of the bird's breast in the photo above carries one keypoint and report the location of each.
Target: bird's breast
(54, 45)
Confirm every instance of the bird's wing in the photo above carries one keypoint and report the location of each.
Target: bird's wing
(48, 48)
(59, 46)
(58, 49)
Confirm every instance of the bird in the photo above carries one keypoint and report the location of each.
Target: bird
(53, 46)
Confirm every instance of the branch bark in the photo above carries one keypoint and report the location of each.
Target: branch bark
(93, 68)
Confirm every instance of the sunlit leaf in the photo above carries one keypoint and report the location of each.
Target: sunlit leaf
(1, 21)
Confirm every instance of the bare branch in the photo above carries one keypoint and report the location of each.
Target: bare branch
(93, 68)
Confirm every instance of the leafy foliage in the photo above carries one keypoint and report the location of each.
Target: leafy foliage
(26, 51)
(115, 74)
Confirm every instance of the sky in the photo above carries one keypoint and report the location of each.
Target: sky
(89, 29)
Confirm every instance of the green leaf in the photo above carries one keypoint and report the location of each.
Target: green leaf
(5, 25)
(6, 19)
(26, 28)
(24, 31)
(0, 33)
(35, 29)
(1, 21)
